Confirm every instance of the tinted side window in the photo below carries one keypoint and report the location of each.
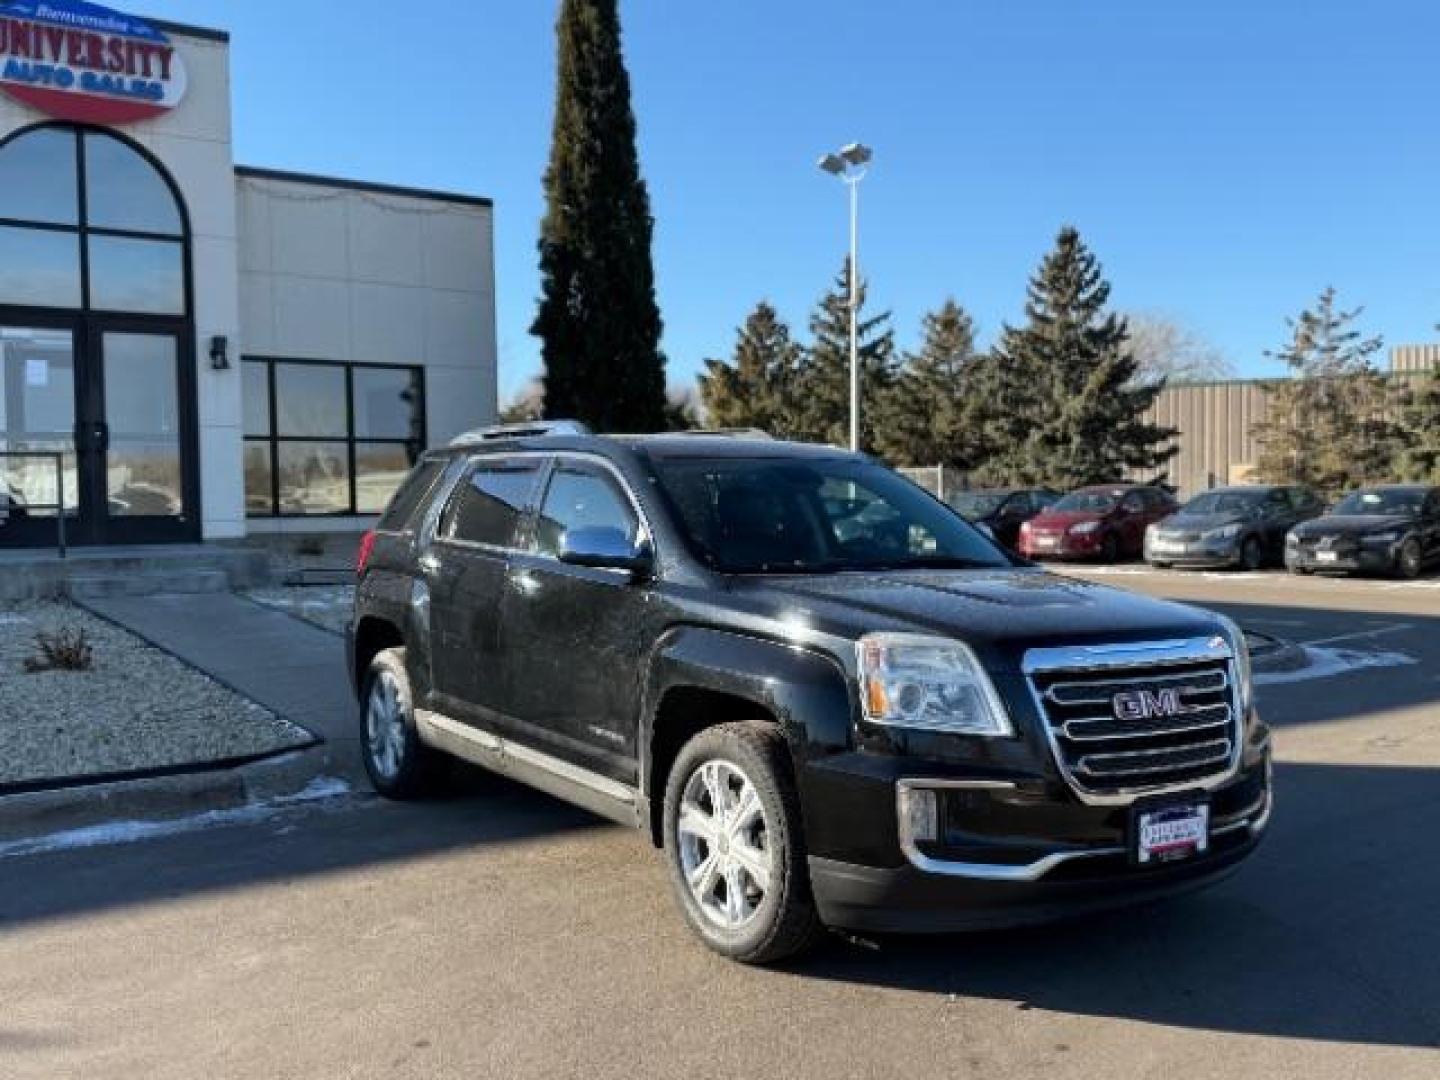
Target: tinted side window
(579, 498)
(1134, 502)
(413, 489)
(488, 504)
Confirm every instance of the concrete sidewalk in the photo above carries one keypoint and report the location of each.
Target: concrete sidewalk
(292, 668)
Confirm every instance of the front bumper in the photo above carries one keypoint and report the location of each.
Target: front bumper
(1011, 851)
(1066, 545)
(1361, 559)
(1192, 552)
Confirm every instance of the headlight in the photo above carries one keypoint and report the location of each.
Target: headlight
(929, 683)
(1241, 649)
(1381, 538)
(1225, 532)
(1085, 528)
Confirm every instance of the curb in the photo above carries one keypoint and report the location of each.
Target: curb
(161, 798)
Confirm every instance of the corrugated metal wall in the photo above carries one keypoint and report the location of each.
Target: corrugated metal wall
(1407, 358)
(1214, 421)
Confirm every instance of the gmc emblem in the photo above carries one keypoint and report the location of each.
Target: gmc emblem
(1148, 704)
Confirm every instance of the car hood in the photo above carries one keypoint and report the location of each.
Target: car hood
(1353, 524)
(1203, 522)
(995, 610)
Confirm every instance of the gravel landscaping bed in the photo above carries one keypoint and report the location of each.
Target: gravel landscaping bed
(138, 708)
(326, 606)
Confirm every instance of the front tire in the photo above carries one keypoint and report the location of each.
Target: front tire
(1408, 563)
(399, 765)
(735, 847)
(1252, 554)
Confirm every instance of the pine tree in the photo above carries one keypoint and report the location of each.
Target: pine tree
(1330, 424)
(823, 381)
(755, 388)
(927, 414)
(1063, 404)
(598, 322)
(1420, 420)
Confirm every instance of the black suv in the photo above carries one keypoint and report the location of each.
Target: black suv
(825, 696)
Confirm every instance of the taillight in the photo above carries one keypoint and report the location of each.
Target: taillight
(367, 545)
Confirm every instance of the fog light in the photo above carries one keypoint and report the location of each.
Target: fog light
(919, 813)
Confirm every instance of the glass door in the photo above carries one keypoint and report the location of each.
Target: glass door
(137, 486)
(37, 422)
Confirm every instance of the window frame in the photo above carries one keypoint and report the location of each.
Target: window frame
(83, 230)
(583, 465)
(415, 445)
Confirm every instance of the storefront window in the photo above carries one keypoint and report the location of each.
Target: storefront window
(38, 178)
(137, 275)
(340, 441)
(123, 192)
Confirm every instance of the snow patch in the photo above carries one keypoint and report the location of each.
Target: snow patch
(130, 832)
(1326, 663)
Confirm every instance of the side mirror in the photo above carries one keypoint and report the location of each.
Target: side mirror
(605, 548)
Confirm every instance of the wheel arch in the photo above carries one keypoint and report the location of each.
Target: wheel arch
(702, 677)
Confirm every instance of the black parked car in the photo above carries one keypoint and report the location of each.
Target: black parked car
(1003, 510)
(828, 698)
(1243, 527)
(1392, 529)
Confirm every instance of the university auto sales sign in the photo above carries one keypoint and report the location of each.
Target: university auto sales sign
(82, 62)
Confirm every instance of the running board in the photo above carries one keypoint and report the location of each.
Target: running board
(590, 790)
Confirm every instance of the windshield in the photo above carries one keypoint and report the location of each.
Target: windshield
(977, 504)
(1380, 502)
(1094, 502)
(1225, 502)
(787, 515)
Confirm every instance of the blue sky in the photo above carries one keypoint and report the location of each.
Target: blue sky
(1225, 159)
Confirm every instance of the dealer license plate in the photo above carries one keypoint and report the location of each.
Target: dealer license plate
(1167, 833)
(1327, 556)
(1047, 543)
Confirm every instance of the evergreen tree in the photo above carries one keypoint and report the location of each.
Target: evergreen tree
(1330, 424)
(755, 388)
(1420, 419)
(822, 414)
(598, 322)
(1064, 406)
(927, 416)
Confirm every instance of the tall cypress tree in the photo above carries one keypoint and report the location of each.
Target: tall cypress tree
(823, 410)
(927, 414)
(755, 388)
(1067, 409)
(598, 322)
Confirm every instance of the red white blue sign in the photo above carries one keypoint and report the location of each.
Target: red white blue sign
(86, 63)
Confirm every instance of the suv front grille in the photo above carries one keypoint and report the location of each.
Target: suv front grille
(1122, 729)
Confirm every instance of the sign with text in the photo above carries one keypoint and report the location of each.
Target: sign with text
(82, 62)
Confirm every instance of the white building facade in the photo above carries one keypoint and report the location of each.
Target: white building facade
(198, 351)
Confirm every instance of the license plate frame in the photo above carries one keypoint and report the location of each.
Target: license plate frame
(1148, 843)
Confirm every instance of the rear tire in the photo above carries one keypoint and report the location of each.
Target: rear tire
(399, 765)
(735, 845)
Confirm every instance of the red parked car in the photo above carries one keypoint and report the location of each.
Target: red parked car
(1104, 521)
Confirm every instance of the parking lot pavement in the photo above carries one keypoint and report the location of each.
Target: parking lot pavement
(500, 933)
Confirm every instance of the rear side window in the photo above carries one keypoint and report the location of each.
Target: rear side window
(411, 493)
(579, 498)
(488, 504)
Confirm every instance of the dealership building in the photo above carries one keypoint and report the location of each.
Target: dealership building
(199, 350)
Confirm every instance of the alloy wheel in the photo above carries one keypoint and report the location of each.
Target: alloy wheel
(385, 725)
(723, 841)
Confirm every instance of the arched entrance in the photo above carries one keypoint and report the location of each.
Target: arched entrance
(96, 342)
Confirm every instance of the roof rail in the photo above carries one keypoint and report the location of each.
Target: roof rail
(527, 430)
(732, 433)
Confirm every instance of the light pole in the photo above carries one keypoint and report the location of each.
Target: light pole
(850, 164)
